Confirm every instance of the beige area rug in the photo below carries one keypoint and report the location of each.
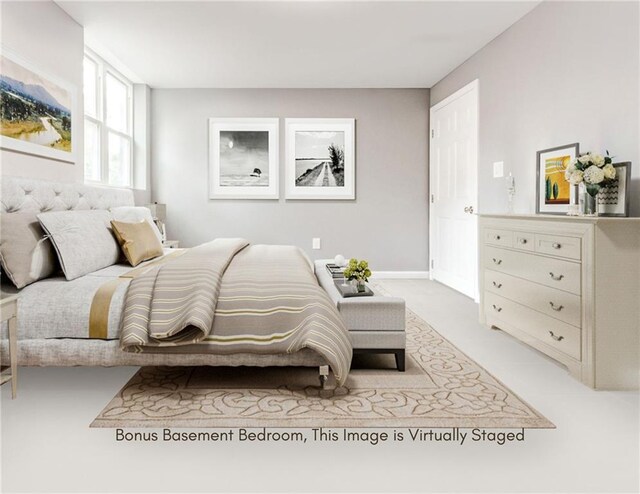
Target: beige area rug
(441, 387)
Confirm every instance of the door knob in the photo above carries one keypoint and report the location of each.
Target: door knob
(468, 209)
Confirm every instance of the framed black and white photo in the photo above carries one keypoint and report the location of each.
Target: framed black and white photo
(320, 158)
(554, 194)
(243, 158)
(38, 110)
(613, 199)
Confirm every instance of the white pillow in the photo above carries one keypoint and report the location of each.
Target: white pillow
(135, 214)
(26, 254)
(83, 240)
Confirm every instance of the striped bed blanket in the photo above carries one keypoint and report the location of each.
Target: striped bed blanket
(227, 296)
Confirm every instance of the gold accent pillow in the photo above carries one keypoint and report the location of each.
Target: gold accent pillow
(138, 241)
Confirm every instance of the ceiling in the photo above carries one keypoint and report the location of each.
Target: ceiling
(300, 44)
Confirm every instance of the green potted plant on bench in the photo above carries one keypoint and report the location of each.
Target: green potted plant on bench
(358, 272)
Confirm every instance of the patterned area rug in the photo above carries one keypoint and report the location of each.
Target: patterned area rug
(441, 387)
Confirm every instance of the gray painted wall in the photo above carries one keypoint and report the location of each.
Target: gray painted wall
(386, 224)
(43, 34)
(567, 72)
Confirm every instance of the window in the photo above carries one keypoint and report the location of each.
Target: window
(108, 129)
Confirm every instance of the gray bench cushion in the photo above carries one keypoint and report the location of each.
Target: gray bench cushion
(366, 314)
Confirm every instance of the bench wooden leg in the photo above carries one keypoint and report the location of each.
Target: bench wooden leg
(400, 357)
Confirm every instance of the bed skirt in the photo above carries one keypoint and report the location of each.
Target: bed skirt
(66, 352)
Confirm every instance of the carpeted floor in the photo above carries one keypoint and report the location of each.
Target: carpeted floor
(441, 387)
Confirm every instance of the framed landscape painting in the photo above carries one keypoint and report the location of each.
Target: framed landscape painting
(37, 110)
(553, 193)
(243, 158)
(320, 158)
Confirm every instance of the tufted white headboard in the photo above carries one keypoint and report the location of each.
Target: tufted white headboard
(22, 195)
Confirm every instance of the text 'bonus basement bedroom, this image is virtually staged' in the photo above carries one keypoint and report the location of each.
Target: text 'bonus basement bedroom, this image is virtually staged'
(368, 243)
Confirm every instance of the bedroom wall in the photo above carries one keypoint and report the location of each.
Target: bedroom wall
(566, 72)
(43, 34)
(386, 224)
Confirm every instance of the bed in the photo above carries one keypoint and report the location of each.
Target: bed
(54, 314)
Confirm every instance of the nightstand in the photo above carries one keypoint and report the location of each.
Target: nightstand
(9, 312)
(171, 244)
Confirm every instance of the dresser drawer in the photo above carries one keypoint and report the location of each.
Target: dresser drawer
(556, 245)
(556, 273)
(502, 238)
(524, 241)
(550, 301)
(557, 334)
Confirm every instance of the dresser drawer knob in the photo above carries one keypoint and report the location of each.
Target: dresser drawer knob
(556, 278)
(555, 307)
(496, 308)
(497, 261)
(497, 237)
(557, 338)
(523, 240)
(556, 245)
(497, 285)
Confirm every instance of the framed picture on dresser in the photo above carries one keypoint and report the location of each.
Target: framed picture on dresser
(613, 199)
(243, 158)
(554, 194)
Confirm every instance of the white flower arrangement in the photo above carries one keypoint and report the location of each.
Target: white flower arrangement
(593, 175)
(592, 169)
(609, 171)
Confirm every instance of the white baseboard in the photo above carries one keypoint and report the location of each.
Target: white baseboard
(400, 275)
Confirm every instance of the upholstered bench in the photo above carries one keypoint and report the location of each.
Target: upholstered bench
(376, 323)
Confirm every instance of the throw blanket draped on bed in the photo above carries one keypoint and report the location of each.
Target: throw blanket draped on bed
(227, 297)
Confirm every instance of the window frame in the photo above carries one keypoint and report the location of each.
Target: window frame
(100, 120)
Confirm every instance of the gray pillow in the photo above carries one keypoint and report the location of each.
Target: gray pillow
(135, 214)
(83, 240)
(25, 252)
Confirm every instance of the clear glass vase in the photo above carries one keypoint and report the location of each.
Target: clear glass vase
(589, 194)
(358, 285)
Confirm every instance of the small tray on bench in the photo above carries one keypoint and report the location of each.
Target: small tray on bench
(351, 291)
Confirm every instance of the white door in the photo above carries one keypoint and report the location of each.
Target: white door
(453, 176)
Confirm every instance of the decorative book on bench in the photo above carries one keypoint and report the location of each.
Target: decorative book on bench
(351, 291)
(335, 270)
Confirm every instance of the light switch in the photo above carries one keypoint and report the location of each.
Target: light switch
(316, 244)
(498, 169)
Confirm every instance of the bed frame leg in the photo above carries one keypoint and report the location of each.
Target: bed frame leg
(324, 375)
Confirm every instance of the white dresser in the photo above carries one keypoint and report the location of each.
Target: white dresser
(568, 286)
